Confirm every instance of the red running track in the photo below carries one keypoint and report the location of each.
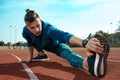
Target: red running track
(54, 69)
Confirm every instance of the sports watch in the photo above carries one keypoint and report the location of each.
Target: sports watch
(84, 42)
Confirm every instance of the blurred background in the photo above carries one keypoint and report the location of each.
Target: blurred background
(79, 17)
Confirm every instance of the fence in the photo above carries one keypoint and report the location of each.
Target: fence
(13, 47)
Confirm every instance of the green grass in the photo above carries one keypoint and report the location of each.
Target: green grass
(77, 48)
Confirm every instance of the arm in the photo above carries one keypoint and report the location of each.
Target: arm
(92, 45)
(26, 35)
(75, 41)
(30, 53)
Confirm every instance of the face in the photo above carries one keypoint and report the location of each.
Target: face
(35, 27)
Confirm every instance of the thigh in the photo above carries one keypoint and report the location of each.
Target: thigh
(63, 48)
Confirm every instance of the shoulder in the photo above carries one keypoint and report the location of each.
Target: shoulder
(47, 25)
(25, 31)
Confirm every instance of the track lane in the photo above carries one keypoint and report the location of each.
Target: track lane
(10, 68)
(27, 69)
(59, 69)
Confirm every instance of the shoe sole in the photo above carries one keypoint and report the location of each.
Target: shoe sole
(40, 59)
(100, 66)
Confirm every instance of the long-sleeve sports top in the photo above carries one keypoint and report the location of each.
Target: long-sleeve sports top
(49, 38)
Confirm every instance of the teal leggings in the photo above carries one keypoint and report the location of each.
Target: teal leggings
(64, 51)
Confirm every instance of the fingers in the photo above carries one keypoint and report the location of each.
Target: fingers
(94, 45)
(97, 47)
(89, 54)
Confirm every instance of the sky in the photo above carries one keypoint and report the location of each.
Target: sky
(79, 17)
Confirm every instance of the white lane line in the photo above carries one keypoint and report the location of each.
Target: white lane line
(113, 61)
(28, 70)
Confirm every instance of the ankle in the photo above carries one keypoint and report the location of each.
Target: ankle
(41, 54)
(85, 64)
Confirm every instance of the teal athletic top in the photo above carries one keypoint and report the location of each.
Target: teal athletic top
(50, 37)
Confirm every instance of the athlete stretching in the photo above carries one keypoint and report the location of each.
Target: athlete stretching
(44, 36)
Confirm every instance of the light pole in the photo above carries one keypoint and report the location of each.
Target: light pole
(112, 35)
(111, 26)
(10, 37)
(15, 36)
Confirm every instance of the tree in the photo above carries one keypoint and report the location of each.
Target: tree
(8, 44)
(2, 43)
(118, 30)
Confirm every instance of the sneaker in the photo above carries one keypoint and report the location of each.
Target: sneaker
(40, 58)
(98, 63)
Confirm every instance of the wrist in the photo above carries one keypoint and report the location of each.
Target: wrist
(84, 42)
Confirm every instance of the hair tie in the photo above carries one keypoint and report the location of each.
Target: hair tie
(27, 10)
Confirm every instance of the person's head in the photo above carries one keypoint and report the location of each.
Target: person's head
(33, 22)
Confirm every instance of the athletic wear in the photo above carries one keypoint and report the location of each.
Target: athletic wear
(64, 51)
(98, 63)
(53, 40)
(50, 37)
(40, 58)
